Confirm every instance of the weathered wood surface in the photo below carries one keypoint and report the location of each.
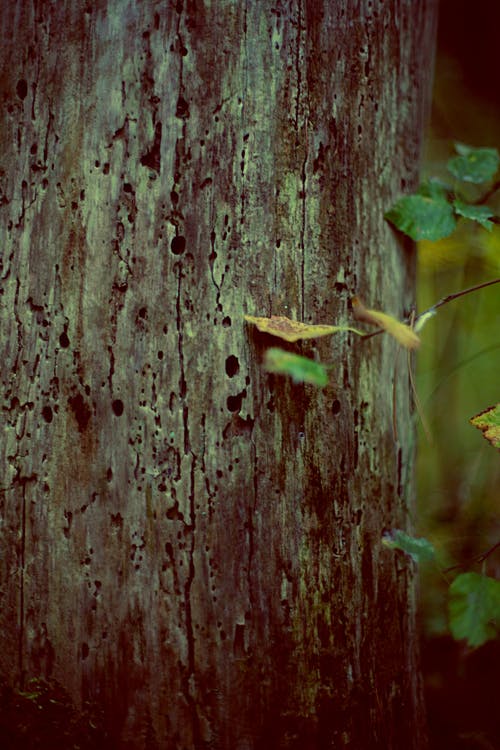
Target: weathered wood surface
(189, 542)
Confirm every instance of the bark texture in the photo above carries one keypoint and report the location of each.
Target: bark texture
(187, 541)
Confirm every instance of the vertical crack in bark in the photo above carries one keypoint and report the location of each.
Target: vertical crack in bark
(298, 69)
(211, 261)
(191, 657)
(22, 480)
(111, 370)
(15, 367)
(180, 348)
(303, 231)
(21, 587)
(303, 176)
(251, 514)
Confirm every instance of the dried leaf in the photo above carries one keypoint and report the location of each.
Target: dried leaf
(400, 331)
(293, 330)
(489, 422)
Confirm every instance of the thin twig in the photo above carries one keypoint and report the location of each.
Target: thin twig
(474, 560)
(432, 309)
(493, 189)
(456, 295)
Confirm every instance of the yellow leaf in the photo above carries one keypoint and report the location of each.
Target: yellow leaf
(400, 331)
(489, 422)
(293, 330)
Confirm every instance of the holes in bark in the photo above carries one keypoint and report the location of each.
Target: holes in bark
(232, 366)
(117, 407)
(47, 414)
(152, 158)
(116, 520)
(22, 88)
(238, 427)
(85, 650)
(80, 410)
(239, 641)
(182, 109)
(64, 340)
(336, 407)
(226, 322)
(178, 244)
(234, 402)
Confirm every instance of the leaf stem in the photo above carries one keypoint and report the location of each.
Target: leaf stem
(493, 189)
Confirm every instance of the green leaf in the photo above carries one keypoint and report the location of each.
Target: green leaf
(481, 214)
(474, 608)
(425, 216)
(474, 165)
(435, 189)
(419, 549)
(300, 369)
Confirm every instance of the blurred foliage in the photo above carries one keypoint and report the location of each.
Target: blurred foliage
(458, 375)
(458, 368)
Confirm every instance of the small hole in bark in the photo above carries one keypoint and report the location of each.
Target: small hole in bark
(22, 89)
(85, 650)
(64, 340)
(182, 109)
(118, 407)
(234, 402)
(47, 414)
(232, 366)
(336, 406)
(226, 322)
(178, 245)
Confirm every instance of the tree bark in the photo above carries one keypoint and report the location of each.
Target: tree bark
(186, 540)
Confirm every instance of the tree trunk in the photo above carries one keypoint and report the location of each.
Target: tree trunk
(187, 541)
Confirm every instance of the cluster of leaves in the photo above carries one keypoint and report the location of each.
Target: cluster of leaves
(473, 601)
(304, 370)
(432, 212)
